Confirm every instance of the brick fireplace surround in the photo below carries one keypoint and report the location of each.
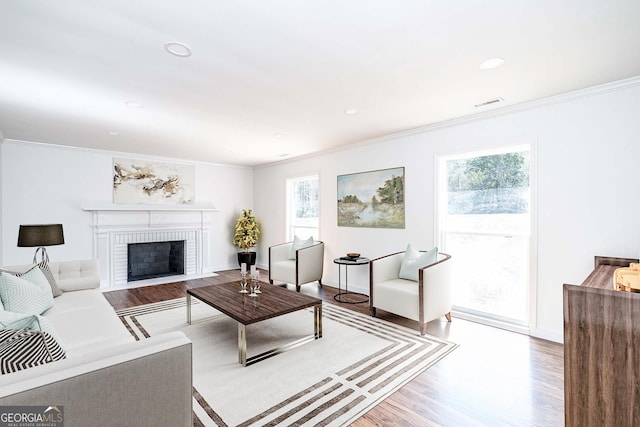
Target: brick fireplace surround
(116, 227)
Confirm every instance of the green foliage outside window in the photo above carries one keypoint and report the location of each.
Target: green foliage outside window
(489, 184)
(510, 170)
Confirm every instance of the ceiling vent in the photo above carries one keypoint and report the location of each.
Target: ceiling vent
(489, 102)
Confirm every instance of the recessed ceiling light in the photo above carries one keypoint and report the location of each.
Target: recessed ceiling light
(278, 135)
(351, 111)
(133, 104)
(178, 49)
(491, 64)
(113, 133)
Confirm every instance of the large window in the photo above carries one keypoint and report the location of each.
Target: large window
(484, 223)
(303, 213)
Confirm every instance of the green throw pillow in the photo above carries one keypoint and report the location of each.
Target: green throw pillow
(44, 268)
(414, 260)
(298, 243)
(19, 321)
(30, 293)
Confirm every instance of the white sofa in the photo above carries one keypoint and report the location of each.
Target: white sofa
(107, 378)
(307, 266)
(425, 300)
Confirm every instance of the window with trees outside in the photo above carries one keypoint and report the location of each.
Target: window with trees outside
(484, 223)
(303, 213)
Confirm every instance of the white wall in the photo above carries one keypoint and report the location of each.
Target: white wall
(50, 184)
(588, 153)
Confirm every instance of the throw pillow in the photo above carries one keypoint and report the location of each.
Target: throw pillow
(29, 293)
(22, 349)
(298, 243)
(2, 270)
(16, 321)
(44, 268)
(414, 260)
(12, 320)
(55, 290)
(36, 276)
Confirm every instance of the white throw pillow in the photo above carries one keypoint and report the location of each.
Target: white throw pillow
(298, 243)
(30, 293)
(414, 260)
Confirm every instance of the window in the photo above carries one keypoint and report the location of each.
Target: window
(303, 213)
(484, 222)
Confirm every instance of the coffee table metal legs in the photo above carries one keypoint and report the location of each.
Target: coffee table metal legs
(189, 309)
(317, 321)
(242, 344)
(242, 340)
(242, 337)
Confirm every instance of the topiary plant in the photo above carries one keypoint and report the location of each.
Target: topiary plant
(247, 231)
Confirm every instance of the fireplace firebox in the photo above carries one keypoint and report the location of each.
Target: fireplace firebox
(149, 260)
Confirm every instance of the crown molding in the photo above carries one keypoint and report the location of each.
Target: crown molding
(497, 112)
(524, 106)
(122, 154)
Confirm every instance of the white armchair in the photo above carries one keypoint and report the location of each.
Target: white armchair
(307, 266)
(423, 301)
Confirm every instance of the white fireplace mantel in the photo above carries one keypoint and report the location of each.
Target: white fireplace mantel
(114, 227)
(176, 208)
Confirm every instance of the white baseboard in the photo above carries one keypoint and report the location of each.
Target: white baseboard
(548, 335)
(156, 281)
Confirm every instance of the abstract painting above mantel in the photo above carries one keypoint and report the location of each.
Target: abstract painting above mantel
(144, 182)
(372, 199)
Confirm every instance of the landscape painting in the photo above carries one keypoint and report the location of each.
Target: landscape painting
(372, 199)
(143, 181)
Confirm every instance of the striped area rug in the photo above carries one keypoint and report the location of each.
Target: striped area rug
(359, 361)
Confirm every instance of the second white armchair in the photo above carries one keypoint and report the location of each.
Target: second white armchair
(423, 300)
(306, 266)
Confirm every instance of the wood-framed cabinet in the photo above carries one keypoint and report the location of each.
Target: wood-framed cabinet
(601, 350)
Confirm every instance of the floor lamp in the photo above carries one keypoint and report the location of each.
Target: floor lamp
(40, 236)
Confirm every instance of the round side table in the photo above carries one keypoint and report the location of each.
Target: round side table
(341, 296)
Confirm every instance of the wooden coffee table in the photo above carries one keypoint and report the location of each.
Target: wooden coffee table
(274, 301)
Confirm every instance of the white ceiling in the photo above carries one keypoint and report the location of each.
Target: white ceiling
(289, 68)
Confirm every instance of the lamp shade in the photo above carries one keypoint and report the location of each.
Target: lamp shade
(40, 235)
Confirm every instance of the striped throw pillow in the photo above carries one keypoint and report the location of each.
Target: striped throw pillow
(22, 349)
(55, 290)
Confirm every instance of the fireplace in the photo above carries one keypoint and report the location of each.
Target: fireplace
(117, 227)
(149, 260)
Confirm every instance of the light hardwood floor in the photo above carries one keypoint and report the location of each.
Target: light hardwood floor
(495, 377)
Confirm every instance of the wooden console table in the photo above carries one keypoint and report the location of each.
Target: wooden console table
(601, 350)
